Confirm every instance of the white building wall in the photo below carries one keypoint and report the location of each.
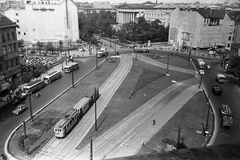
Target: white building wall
(47, 22)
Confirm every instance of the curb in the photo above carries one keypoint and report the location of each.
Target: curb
(6, 145)
(213, 135)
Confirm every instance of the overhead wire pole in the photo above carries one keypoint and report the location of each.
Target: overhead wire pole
(91, 149)
(96, 58)
(30, 106)
(95, 96)
(73, 79)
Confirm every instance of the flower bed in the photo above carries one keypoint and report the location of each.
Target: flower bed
(146, 77)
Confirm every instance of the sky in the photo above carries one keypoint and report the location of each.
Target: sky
(164, 1)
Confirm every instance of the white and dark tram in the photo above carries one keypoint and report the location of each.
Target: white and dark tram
(68, 121)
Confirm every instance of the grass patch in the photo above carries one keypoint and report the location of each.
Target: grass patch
(189, 118)
(146, 77)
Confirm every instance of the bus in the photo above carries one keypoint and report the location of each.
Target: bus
(52, 77)
(200, 63)
(71, 67)
(34, 86)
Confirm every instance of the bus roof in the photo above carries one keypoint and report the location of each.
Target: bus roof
(34, 82)
(70, 64)
(53, 73)
(81, 103)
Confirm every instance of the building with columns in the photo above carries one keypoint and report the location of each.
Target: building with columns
(46, 22)
(131, 12)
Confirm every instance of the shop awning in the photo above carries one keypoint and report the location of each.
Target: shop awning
(5, 86)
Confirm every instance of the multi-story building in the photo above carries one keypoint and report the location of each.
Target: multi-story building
(232, 19)
(95, 7)
(10, 72)
(46, 22)
(131, 12)
(197, 27)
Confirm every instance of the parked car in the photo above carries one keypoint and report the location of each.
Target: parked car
(19, 109)
(225, 110)
(201, 71)
(227, 121)
(217, 90)
(208, 66)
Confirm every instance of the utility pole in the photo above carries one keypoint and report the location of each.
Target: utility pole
(95, 96)
(24, 129)
(115, 47)
(30, 105)
(206, 128)
(179, 136)
(177, 47)
(91, 150)
(73, 79)
(167, 74)
(96, 58)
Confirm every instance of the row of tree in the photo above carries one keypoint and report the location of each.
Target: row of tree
(101, 24)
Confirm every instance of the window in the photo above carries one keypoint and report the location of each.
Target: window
(9, 48)
(3, 37)
(17, 20)
(1, 67)
(14, 47)
(24, 33)
(229, 38)
(4, 49)
(6, 63)
(230, 32)
(8, 37)
(13, 35)
(17, 62)
(233, 39)
(19, 33)
(228, 45)
(12, 64)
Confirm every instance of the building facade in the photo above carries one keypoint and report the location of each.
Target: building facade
(198, 27)
(46, 22)
(131, 12)
(10, 72)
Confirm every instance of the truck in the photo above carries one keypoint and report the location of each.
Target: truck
(200, 63)
(19, 109)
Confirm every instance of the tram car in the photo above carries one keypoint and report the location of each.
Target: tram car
(68, 121)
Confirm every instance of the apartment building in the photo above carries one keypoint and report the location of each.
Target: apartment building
(10, 72)
(198, 27)
(46, 22)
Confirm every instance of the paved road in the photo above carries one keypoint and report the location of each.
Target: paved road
(9, 122)
(65, 148)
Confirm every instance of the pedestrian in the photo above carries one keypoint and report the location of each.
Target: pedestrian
(143, 144)
(154, 122)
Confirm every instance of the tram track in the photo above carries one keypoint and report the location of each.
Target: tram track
(65, 146)
(128, 126)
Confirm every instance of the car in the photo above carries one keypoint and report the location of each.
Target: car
(201, 71)
(227, 121)
(225, 110)
(216, 89)
(19, 109)
(208, 66)
(101, 53)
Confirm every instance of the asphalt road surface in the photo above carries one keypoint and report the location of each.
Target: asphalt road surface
(65, 148)
(9, 122)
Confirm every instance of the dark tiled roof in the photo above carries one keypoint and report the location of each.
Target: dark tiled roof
(209, 13)
(234, 15)
(135, 6)
(4, 21)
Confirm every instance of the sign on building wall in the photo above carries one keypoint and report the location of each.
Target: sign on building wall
(185, 36)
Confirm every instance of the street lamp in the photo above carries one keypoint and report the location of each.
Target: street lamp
(167, 74)
(201, 72)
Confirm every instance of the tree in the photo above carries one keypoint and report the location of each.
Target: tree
(60, 45)
(50, 47)
(39, 45)
(21, 46)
